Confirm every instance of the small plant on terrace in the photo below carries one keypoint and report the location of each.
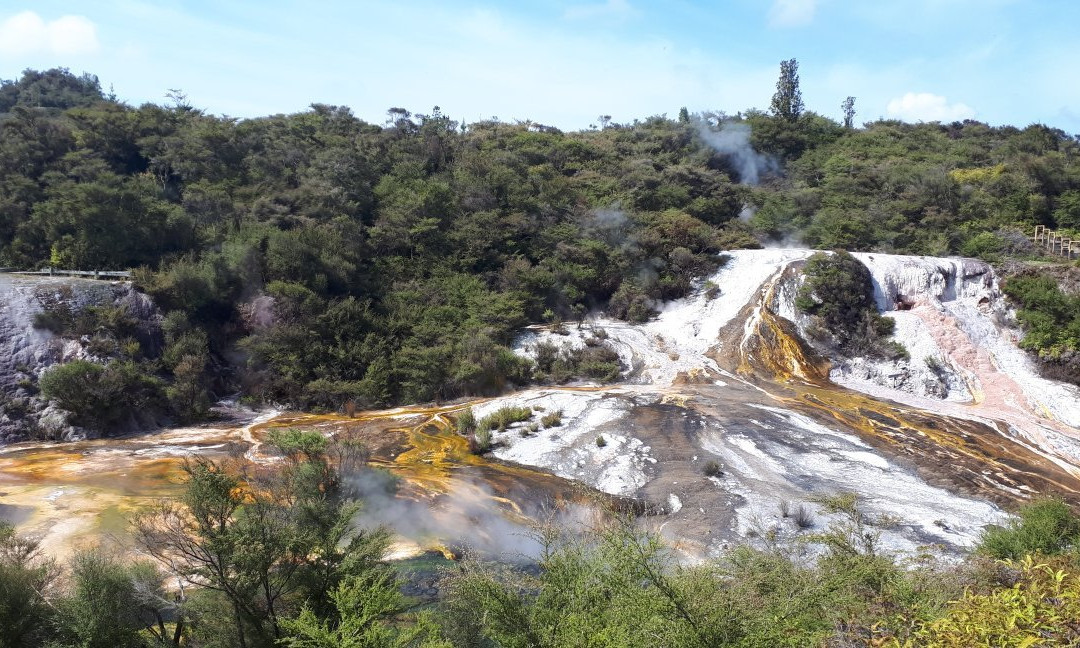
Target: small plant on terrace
(552, 419)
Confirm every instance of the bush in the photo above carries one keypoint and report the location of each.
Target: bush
(561, 364)
(481, 441)
(466, 422)
(712, 469)
(802, 516)
(1051, 318)
(599, 363)
(502, 418)
(104, 397)
(1040, 609)
(25, 577)
(551, 419)
(1046, 526)
(601, 442)
(839, 294)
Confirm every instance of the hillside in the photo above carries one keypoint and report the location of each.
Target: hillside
(314, 259)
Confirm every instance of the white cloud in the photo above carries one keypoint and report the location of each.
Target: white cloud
(927, 107)
(619, 9)
(27, 33)
(792, 13)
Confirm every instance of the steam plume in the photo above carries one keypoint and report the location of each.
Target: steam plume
(733, 140)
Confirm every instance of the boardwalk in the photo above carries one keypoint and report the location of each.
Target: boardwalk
(1055, 242)
(56, 272)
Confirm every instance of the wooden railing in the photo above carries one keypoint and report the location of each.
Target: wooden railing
(1056, 243)
(56, 272)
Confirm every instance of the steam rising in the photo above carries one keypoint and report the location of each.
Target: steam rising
(733, 140)
(469, 516)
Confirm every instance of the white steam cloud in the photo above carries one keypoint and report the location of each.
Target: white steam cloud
(733, 140)
(467, 517)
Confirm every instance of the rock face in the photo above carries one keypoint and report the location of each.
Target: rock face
(26, 351)
(907, 288)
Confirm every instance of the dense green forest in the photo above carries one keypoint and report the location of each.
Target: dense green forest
(315, 259)
(269, 558)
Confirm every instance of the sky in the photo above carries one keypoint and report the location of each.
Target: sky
(564, 63)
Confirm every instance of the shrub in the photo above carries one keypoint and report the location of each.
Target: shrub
(601, 441)
(1047, 526)
(1050, 317)
(599, 363)
(466, 421)
(839, 294)
(712, 469)
(25, 577)
(552, 419)
(104, 397)
(595, 360)
(503, 417)
(481, 441)
(1040, 609)
(802, 516)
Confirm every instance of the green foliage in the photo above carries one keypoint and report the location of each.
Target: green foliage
(104, 397)
(503, 417)
(551, 419)
(361, 607)
(298, 445)
(104, 605)
(560, 364)
(787, 101)
(25, 576)
(466, 421)
(1050, 317)
(271, 544)
(615, 591)
(480, 441)
(617, 587)
(1046, 526)
(839, 293)
(1039, 609)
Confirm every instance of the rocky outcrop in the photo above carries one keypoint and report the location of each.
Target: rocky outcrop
(27, 350)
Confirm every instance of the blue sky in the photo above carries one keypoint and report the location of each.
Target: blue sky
(566, 62)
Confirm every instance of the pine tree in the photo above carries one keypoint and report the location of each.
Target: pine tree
(849, 112)
(787, 102)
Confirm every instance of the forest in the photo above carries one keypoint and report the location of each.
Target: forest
(315, 260)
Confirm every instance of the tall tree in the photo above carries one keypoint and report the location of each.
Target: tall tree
(787, 101)
(849, 112)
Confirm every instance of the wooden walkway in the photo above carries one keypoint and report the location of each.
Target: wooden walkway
(1056, 243)
(56, 272)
